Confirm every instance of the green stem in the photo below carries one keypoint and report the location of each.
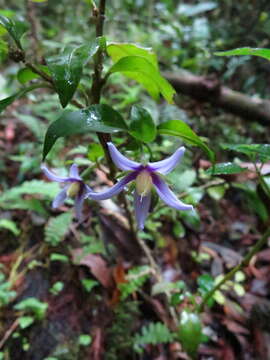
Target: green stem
(256, 248)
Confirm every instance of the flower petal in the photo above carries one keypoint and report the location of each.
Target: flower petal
(167, 195)
(51, 176)
(167, 165)
(141, 205)
(114, 190)
(60, 198)
(79, 201)
(74, 172)
(120, 160)
(78, 205)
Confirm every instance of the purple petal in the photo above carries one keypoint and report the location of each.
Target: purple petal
(141, 205)
(74, 172)
(87, 191)
(167, 165)
(167, 195)
(114, 190)
(120, 160)
(79, 201)
(60, 198)
(51, 176)
(78, 207)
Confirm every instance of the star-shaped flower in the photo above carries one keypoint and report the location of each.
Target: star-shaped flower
(74, 188)
(145, 177)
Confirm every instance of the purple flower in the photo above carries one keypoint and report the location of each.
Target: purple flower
(145, 177)
(74, 188)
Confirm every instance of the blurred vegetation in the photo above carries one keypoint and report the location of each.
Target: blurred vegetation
(57, 307)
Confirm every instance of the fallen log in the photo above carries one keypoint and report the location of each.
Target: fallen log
(210, 90)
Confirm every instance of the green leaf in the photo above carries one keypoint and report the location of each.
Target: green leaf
(15, 28)
(24, 75)
(142, 126)
(119, 50)
(97, 118)
(217, 192)
(225, 169)
(95, 152)
(264, 53)
(9, 225)
(190, 332)
(34, 306)
(85, 340)
(140, 69)
(25, 321)
(181, 129)
(59, 257)
(89, 284)
(262, 151)
(57, 287)
(9, 100)
(67, 68)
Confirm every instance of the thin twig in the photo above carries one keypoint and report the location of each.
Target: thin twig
(33, 20)
(9, 332)
(230, 274)
(158, 275)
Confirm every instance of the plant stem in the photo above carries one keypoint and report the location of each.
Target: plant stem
(98, 81)
(158, 275)
(230, 274)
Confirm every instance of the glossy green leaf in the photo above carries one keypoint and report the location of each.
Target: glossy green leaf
(254, 151)
(98, 118)
(140, 69)
(4, 103)
(119, 50)
(225, 169)
(7, 101)
(67, 68)
(264, 53)
(142, 126)
(15, 28)
(190, 331)
(181, 129)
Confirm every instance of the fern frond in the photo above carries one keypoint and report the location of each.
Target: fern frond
(57, 228)
(136, 278)
(154, 333)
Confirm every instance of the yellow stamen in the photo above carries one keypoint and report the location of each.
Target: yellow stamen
(143, 183)
(73, 189)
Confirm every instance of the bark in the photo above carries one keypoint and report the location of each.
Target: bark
(210, 90)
